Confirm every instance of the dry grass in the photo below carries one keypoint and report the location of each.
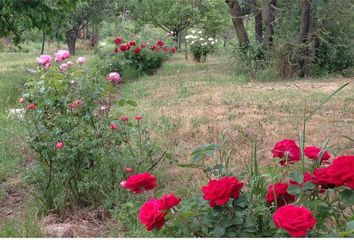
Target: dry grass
(190, 104)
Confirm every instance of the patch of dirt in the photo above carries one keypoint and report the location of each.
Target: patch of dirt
(80, 223)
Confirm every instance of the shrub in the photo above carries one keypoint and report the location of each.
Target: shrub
(144, 57)
(82, 150)
(304, 194)
(200, 45)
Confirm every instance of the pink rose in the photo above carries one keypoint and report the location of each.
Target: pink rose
(59, 145)
(114, 77)
(61, 55)
(122, 184)
(81, 60)
(64, 67)
(70, 63)
(45, 60)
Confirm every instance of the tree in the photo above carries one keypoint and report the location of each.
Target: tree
(258, 27)
(268, 16)
(16, 16)
(237, 20)
(304, 34)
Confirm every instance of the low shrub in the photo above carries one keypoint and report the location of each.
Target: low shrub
(82, 150)
(308, 192)
(200, 45)
(144, 57)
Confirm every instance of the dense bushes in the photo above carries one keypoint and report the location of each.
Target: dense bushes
(144, 57)
(83, 151)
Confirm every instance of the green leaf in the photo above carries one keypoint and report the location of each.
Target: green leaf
(294, 189)
(297, 177)
(308, 186)
(347, 196)
(219, 231)
(121, 102)
(132, 103)
(190, 214)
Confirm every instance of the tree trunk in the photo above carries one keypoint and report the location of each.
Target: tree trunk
(258, 28)
(237, 21)
(43, 41)
(179, 39)
(268, 16)
(304, 34)
(71, 37)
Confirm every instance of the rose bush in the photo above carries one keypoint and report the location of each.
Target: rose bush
(200, 45)
(144, 57)
(83, 151)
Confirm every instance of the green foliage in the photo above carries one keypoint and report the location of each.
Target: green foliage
(90, 165)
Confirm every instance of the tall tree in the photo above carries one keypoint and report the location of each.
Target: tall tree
(268, 16)
(237, 20)
(258, 27)
(304, 36)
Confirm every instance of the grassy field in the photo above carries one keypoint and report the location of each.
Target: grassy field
(185, 104)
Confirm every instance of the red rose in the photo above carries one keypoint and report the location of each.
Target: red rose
(173, 50)
(153, 48)
(137, 50)
(116, 50)
(137, 182)
(113, 126)
(307, 178)
(124, 47)
(168, 201)
(165, 49)
(124, 118)
(72, 105)
(280, 192)
(138, 117)
(31, 106)
(287, 150)
(313, 152)
(218, 192)
(295, 220)
(59, 145)
(160, 43)
(343, 169)
(118, 40)
(150, 214)
(325, 177)
(132, 43)
(79, 102)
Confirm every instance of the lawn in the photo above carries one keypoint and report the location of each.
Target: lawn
(185, 104)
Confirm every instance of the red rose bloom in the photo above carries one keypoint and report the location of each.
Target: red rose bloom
(137, 182)
(31, 106)
(124, 47)
(151, 216)
(313, 152)
(132, 43)
(160, 43)
(153, 48)
(325, 177)
(287, 150)
(137, 50)
(113, 126)
(295, 220)
(307, 178)
(173, 50)
(165, 49)
(72, 106)
(168, 201)
(116, 50)
(280, 192)
(218, 192)
(138, 117)
(118, 40)
(124, 118)
(343, 169)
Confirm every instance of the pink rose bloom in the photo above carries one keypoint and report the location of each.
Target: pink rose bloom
(70, 64)
(45, 60)
(122, 184)
(64, 67)
(59, 145)
(81, 60)
(79, 102)
(61, 55)
(114, 77)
